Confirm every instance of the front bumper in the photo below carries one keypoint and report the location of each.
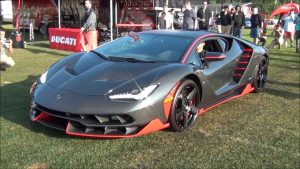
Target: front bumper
(108, 126)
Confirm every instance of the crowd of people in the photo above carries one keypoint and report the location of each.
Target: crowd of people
(231, 21)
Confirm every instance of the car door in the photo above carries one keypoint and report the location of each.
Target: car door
(217, 74)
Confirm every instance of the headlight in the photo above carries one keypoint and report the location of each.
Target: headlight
(134, 94)
(43, 78)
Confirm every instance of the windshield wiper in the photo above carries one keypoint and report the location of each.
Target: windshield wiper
(129, 59)
(99, 54)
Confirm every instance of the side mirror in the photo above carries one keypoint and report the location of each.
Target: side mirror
(211, 56)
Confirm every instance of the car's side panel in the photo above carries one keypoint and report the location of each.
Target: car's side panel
(217, 77)
(219, 72)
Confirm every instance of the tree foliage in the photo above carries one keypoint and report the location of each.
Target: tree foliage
(267, 6)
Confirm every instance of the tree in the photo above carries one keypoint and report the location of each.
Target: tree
(267, 6)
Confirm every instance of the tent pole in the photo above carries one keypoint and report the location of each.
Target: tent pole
(111, 20)
(58, 8)
(116, 17)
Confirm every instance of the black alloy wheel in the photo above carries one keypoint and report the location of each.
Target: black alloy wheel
(185, 106)
(261, 75)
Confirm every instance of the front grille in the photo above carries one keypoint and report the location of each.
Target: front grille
(90, 119)
(87, 124)
(75, 127)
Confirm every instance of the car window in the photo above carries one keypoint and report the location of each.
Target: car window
(148, 46)
(213, 46)
(194, 59)
(224, 44)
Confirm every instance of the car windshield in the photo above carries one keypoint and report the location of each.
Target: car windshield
(146, 47)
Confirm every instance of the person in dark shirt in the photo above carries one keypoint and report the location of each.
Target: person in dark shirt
(162, 24)
(238, 22)
(203, 16)
(189, 18)
(225, 19)
(89, 39)
(263, 37)
(256, 24)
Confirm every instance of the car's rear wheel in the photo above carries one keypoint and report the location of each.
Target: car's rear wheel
(185, 106)
(261, 75)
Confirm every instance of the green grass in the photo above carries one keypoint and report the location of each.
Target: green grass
(255, 131)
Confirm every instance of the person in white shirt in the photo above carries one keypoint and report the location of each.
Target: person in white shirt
(289, 27)
(169, 18)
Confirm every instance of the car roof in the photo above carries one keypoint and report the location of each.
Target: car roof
(185, 33)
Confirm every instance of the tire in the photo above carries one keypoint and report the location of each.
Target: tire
(185, 106)
(261, 76)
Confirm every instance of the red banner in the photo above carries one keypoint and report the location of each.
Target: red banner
(33, 11)
(65, 39)
(136, 3)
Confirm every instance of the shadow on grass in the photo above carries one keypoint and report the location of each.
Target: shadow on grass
(281, 93)
(287, 67)
(15, 102)
(287, 53)
(15, 107)
(297, 85)
(41, 44)
(284, 60)
(52, 52)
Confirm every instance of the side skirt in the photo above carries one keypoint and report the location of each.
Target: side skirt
(248, 88)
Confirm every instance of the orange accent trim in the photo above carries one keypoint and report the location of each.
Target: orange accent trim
(239, 75)
(246, 56)
(248, 50)
(154, 125)
(246, 90)
(243, 62)
(138, 25)
(168, 100)
(214, 57)
(41, 116)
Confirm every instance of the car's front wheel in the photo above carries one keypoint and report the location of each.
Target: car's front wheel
(185, 106)
(261, 75)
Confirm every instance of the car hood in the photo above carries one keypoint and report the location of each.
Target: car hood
(92, 75)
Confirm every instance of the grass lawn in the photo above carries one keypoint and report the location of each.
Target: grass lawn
(255, 131)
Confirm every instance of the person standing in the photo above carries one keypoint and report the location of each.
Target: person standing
(89, 39)
(203, 16)
(238, 22)
(256, 23)
(297, 36)
(225, 19)
(175, 17)
(169, 17)
(5, 61)
(289, 27)
(162, 21)
(189, 17)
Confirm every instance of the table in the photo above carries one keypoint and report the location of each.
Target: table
(65, 39)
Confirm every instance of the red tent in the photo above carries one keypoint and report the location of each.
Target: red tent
(283, 10)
